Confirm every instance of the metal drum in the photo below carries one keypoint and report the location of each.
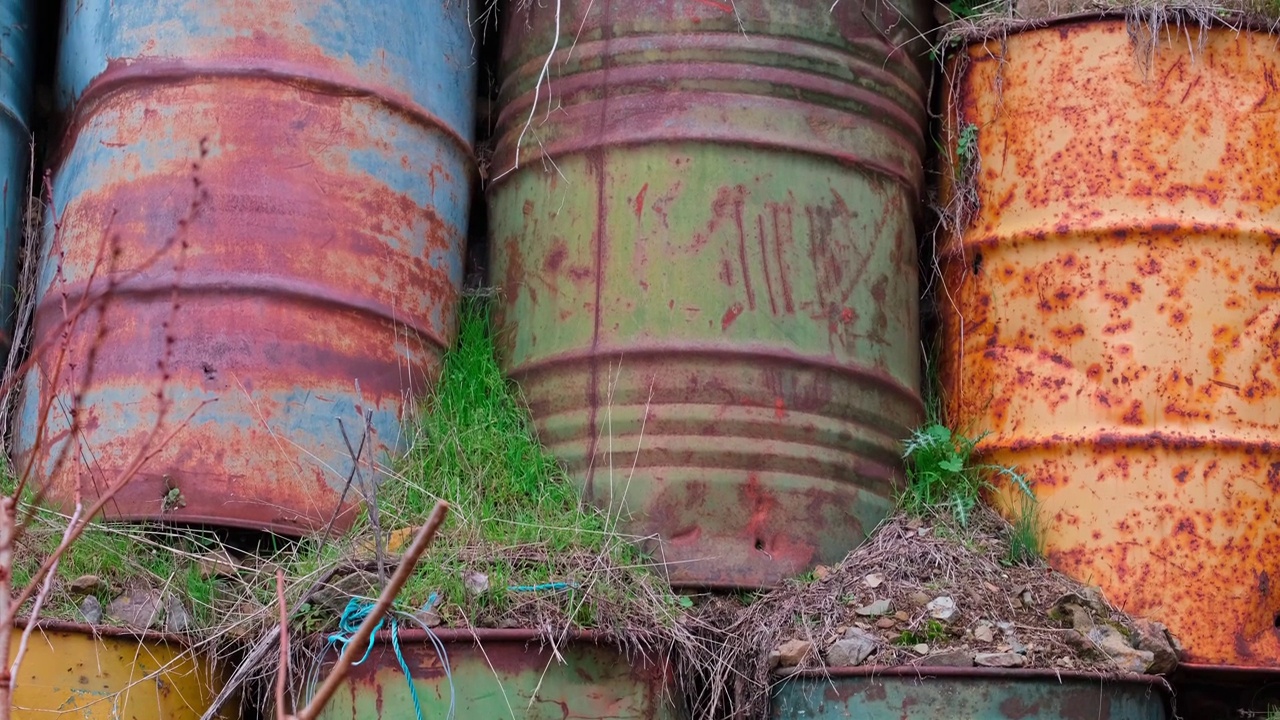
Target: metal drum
(266, 205)
(706, 253)
(1114, 313)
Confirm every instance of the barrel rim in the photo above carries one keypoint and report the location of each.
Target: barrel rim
(120, 76)
(1157, 682)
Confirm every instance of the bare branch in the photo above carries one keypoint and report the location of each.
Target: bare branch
(283, 671)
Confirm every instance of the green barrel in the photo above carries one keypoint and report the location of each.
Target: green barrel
(704, 234)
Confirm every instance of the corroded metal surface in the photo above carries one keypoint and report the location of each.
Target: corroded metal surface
(707, 258)
(301, 270)
(67, 672)
(17, 74)
(505, 673)
(1112, 315)
(928, 693)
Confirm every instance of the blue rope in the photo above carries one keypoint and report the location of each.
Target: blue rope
(543, 587)
(354, 615)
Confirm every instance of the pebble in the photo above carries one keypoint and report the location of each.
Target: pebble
(91, 610)
(955, 658)
(886, 623)
(983, 633)
(1000, 660)
(941, 608)
(791, 652)
(921, 649)
(88, 585)
(853, 649)
(879, 607)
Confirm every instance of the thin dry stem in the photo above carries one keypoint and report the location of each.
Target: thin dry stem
(284, 646)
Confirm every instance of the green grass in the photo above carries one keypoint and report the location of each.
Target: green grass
(515, 515)
(933, 632)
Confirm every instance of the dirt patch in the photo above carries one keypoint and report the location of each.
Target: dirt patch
(925, 592)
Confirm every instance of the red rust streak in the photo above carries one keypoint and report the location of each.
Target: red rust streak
(742, 254)
(722, 7)
(764, 258)
(782, 269)
(640, 200)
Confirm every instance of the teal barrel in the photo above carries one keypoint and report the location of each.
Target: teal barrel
(704, 230)
(909, 693)
(265, 204)
(17, 76)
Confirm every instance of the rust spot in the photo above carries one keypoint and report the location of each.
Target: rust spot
(640, 200)
(730, 315)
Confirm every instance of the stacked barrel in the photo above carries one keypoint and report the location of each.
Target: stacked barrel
(253, 255)
(1114, 319)
(707, 261)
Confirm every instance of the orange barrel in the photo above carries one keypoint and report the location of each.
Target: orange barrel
(1112, 311)
(704, 229)
(262, 207)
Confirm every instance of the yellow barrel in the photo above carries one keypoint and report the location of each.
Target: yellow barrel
(75, 671)
(1112, 310)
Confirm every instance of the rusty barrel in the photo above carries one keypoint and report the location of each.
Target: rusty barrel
(258, 212)
(922, 693)
(17, 75)
(1113, 311)
(706, 253)
(503, 673)
(102, 673)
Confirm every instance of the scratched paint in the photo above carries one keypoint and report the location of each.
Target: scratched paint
(975, 694)
(501, 673)
(1115, 323)
(100, 673)
(275, 198)
(17, 74)
(709, 281)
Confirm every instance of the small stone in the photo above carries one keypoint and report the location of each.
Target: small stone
(856, 647)
(176, 617)
(874, 580)
(1000, 660)
(1154, 637)
(790, 653)
(919, 599)
(879, 607)
(1112, 643)
(216, 564)
(990, 587)
(91, 610)
(88, 585)
(955, 658)
(475, 583)
(886, 623)
(902, 616)
(138, 609)
(921, 649)
(983, 633)
(821, 573)
(942, 608)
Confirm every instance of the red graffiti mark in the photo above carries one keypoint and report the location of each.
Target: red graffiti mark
(742, 253)
(640, 200)
(846, 315)
(764, 258)
(782, 268)
(722, 7)
(779, 409)
(730, 315)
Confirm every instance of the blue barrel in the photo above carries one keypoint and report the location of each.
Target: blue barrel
(273, 198)
(17, 71)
